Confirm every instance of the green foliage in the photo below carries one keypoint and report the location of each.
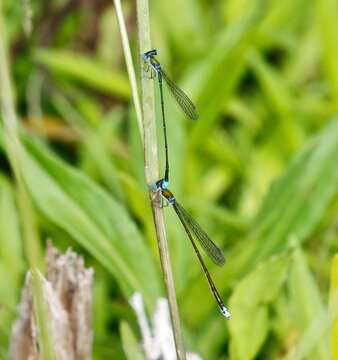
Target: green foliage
(334, 307)
(292, 207)
(72, 201)
(251, 300)
(131, 346)
(308, 312)
(11, 251)
(12, 264)
(258, 169)
(83, 69)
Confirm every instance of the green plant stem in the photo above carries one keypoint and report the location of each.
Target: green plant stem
(152, 175)
(129, 64)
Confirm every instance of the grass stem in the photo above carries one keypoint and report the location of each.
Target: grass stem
(129, 64)
(152, 174)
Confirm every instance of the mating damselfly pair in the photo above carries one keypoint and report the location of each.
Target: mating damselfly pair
(191, 227)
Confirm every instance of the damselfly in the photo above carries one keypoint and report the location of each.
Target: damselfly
(182, 99)
(194, 231)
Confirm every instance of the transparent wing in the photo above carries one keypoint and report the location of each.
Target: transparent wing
(182, 99)
(212, 250)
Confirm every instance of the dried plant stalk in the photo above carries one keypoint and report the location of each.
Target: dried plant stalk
(67, 293)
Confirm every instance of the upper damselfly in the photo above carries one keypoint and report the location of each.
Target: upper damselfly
(181, 98)
(194, 231)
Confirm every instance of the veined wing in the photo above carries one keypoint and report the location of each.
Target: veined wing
(212, 250)
(183, 218)
(182, 99)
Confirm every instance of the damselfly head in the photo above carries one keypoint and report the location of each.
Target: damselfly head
(156, 186)
(149, 54)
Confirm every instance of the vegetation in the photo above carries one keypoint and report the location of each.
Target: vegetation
(258, 169)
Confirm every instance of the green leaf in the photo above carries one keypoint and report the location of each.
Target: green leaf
(295, 202)
(309, 315)
(327, 11)
(249, 304)
(294, 205)
(11, 253)
(86, 71)
(9, 291)
(281, 99)
(183, 28)
(11, 258)
(334, 307)
(97, 153)
(132, 348)
(93, 218)
(231, 49)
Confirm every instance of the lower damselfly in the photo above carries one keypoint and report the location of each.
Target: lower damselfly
(156, 71)
(194, 231)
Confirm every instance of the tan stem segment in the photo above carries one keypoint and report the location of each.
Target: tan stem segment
(152, 174)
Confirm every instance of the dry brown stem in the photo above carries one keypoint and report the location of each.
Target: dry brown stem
(67, 293)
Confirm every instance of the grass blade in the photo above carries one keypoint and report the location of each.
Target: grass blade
(93, 218)
(88, 72)
(310, 316)
(334, 308)
(131, 346)
(250, 300)
(293, 206)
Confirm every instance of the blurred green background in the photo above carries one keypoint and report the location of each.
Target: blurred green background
(258, 170)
